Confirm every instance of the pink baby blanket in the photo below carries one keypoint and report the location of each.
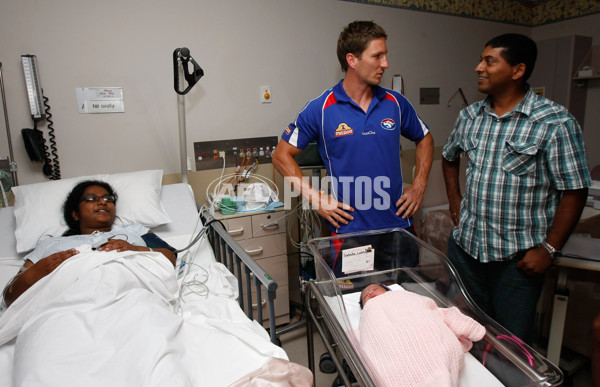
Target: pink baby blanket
(408, 341)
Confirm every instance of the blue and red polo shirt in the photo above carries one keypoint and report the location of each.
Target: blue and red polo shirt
(361, 151)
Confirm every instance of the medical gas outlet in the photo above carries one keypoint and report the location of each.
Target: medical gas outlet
(245, 152)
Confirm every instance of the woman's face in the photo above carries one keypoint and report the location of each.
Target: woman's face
(95, 213)
(371, 291)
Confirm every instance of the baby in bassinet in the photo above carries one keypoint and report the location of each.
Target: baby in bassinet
(408, 341)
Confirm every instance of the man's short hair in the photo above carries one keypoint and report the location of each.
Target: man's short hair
(517, 49)
(355, 38)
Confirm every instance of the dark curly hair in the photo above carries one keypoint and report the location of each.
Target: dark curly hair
(73, 200)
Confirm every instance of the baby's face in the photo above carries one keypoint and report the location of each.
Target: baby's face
(371, 291)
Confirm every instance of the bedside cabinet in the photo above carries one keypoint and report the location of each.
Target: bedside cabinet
(263, 236)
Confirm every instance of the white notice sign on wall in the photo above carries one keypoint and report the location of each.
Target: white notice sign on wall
(100, 99)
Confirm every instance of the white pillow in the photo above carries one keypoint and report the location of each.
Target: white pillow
(38, 207)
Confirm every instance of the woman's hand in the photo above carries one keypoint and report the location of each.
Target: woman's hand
(120, 245)
(33, 273)
(47, 265)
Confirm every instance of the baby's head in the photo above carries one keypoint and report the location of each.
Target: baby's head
(372, 290)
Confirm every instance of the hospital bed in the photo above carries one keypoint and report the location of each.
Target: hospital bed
(200, 334)
(396, 258)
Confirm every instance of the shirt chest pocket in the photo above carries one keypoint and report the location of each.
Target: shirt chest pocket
(519, 158)
(469, 146)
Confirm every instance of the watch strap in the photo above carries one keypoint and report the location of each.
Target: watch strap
(554, 253)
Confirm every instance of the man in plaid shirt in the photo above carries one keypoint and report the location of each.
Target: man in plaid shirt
(526, 185)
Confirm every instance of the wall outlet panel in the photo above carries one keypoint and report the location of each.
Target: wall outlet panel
(207, 153)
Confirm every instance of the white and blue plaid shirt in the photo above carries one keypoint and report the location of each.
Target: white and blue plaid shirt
(517, 166)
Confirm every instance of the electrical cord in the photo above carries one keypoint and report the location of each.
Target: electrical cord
(309, 225)
(194, 285)
(199, 236)
(215, 189)
(223, 169)
(47, 166)
(237, 169)
(54, 164)
(245, 174)
(200, 233)
(220, 188)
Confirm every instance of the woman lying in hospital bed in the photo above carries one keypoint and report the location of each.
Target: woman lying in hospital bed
(409, 341)
(117, 316)
(90, 213)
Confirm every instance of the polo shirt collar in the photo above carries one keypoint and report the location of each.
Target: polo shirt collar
(340, 94)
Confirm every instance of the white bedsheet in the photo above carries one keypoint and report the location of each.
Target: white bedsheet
(473, 373)
(109, 321)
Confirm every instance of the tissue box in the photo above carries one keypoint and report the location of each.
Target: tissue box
(585, 73)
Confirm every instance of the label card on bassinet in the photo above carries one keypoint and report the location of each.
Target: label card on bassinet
(358, 259)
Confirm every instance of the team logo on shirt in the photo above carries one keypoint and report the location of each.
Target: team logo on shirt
(388, 124)
(288, 131)
(343, 130)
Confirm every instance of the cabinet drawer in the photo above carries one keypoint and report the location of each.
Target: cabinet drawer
(268, 224)
(266, 246)
(238, 228)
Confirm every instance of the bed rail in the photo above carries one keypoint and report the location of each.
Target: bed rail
(228, 252)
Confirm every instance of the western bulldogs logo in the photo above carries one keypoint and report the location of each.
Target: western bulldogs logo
(388, 124)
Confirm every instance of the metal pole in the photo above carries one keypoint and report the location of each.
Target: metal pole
(12, 163)
(182, 137)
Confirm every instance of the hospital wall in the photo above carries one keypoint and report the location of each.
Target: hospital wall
(241, 45)
(585, 26)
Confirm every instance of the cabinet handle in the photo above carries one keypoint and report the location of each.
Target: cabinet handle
(255, 251)
(235, 232)
(255, 306)
(269, 225)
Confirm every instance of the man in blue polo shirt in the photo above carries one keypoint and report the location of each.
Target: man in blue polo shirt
(357, 126)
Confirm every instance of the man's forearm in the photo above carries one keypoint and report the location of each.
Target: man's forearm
(286, 165)
(567, 215)
(423, 159)
(451, 177)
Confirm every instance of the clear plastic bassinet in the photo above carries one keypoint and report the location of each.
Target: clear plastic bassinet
(400, 258)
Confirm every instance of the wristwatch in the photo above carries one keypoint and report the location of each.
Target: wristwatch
(554, 253)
